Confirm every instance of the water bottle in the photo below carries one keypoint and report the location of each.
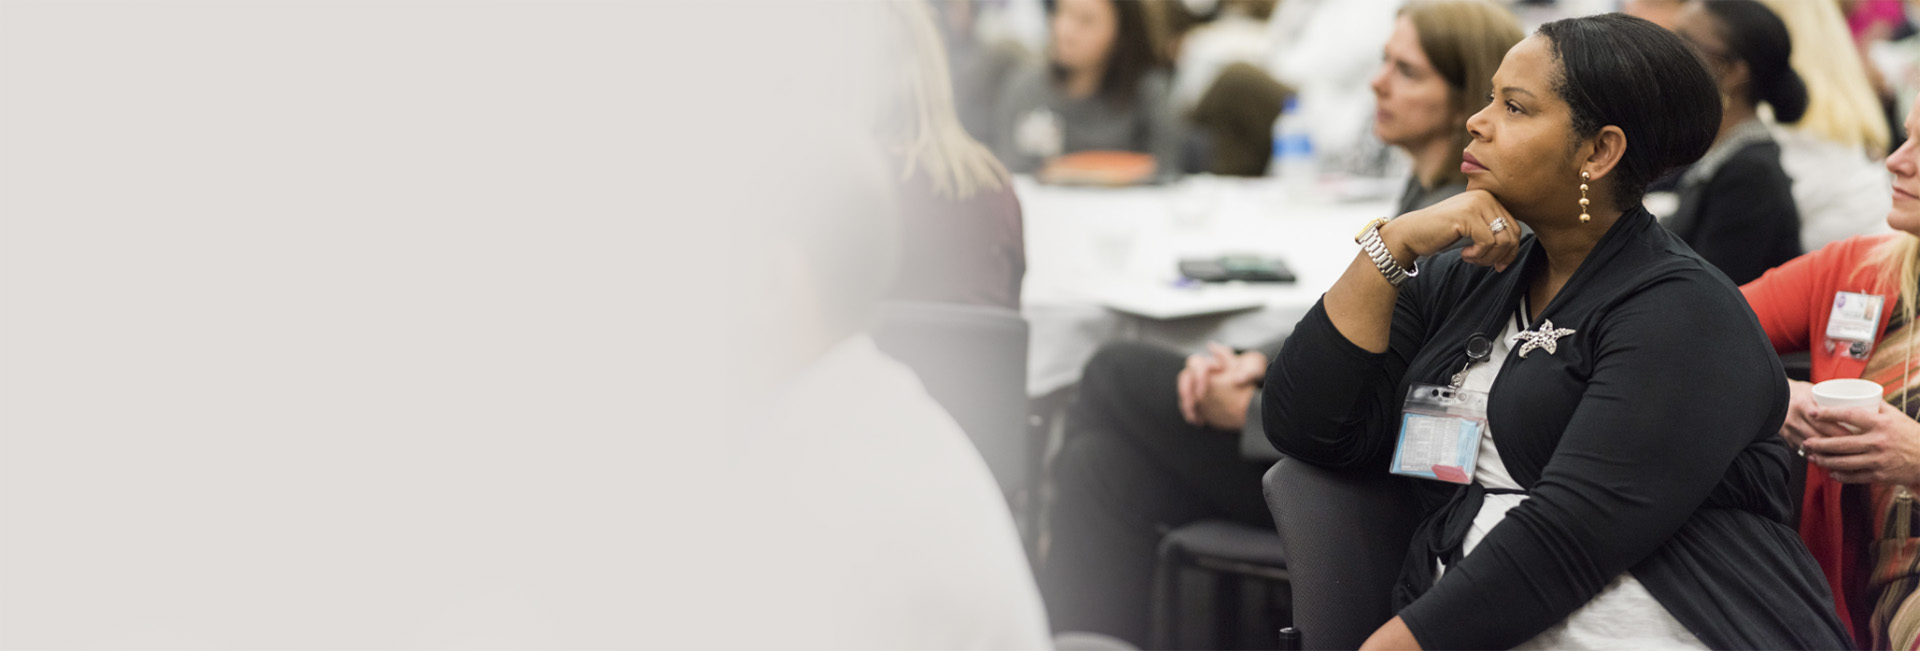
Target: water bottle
(1294, 159)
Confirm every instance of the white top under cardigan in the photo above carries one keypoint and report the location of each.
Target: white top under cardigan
(1624, 615)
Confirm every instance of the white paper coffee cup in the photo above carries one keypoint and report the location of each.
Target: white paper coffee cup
(1847, 394)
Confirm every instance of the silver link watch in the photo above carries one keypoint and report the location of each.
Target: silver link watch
(1369, 241)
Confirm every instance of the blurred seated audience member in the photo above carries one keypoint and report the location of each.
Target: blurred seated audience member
(1168, 22)
(879, 525)
(1894, 63)
(960, 222)
(1324, 50)
(1875, 20)
(1154, 441)
(1659, 12)
(1237, 35)
(1873, 23)
(1101, 88)
(979, 66)
(1232, 126)
(1736, 204)
(1228, 98)
(1833, 153)
(1857, 511)
(1436, 72)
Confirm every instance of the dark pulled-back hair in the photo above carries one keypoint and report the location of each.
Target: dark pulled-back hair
(1132, 56)
(1627, 72)
(1757, 36)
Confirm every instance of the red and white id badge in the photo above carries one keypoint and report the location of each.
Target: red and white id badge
(1440, 431)
(1852, 325)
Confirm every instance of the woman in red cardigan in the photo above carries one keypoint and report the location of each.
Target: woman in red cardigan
(1857, 513)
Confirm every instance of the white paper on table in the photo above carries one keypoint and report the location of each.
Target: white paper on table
(1165, 303)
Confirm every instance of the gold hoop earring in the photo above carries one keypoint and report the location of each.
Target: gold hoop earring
(1584, 217)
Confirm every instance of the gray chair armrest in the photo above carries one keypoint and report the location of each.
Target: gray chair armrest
(1346, 534)
(1254, 445)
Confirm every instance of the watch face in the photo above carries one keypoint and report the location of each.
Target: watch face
(1370, 226)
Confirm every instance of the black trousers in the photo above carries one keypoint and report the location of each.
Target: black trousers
(1130, 471)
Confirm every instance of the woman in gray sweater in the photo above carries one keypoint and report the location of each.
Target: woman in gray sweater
(1101, 88)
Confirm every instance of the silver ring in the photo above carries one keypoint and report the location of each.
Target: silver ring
(1803, 450)
(1499, 224)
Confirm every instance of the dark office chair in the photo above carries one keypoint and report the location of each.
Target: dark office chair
(1247, 589)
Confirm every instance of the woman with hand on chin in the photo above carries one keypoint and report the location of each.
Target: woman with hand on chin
(1857, 512)
(1151, 439)
(1629, 489)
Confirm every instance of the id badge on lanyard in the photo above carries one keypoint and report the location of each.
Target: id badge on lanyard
(1440, 426)
(1853, 323)
(1440, 433)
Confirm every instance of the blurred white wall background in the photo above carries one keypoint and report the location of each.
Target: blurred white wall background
(400, 324)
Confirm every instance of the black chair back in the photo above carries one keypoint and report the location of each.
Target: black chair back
(1346, 534)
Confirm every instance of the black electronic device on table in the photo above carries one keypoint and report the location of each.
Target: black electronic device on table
(1246, 268)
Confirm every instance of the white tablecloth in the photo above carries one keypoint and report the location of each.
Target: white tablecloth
(1087, 245)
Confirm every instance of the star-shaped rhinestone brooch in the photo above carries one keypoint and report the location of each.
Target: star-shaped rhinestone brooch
(1545, 337)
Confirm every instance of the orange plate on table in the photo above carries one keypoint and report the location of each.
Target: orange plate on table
(1109, 168)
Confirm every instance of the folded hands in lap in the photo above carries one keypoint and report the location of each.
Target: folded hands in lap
(1216, 387)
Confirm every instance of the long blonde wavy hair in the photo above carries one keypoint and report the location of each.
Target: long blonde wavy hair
(927, 136)
(1899, 261)
(1843, 106)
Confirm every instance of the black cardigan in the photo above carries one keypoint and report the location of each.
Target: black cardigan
(1742, 219)
(1647, 442)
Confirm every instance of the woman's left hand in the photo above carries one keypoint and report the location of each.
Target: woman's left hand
(1886, 449)
(1392, 636)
